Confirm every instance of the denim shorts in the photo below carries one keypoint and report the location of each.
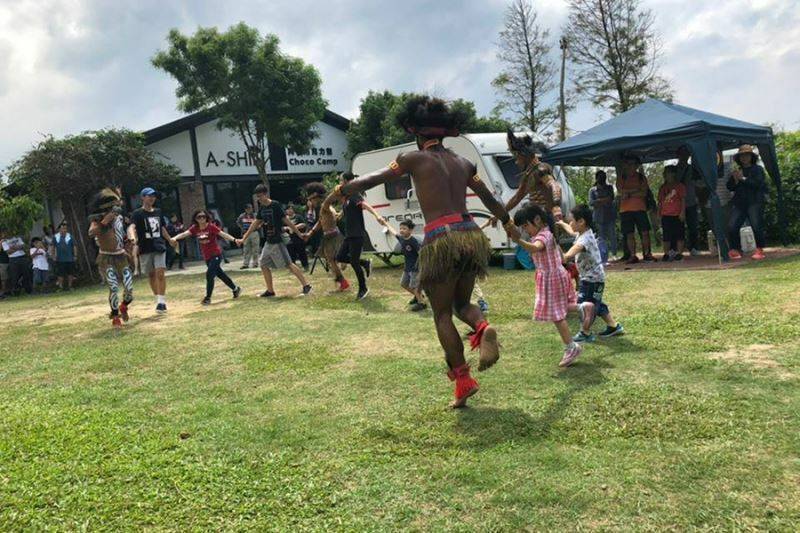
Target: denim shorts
(592, 291)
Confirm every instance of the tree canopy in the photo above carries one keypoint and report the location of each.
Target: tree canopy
(249, 84)
(75, 167)
(377, 127)
(615, 47)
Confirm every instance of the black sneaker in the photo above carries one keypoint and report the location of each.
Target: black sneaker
(161, 308)
(362, 294)
(678, 257)
(648, 258)
(418, 307)
(413, 301)
(611, 332)
(244, 267)
(237, 291)
(267, 294)
(306, 290)
(368, 268)
(206, 300)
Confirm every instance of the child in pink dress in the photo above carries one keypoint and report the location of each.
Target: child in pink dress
(555, 292)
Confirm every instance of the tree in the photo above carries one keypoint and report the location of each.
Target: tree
(528, 73)
(787, 144)
(18, 213)
(253, 88)
(616, 50)
(74, 168)
(377, 127)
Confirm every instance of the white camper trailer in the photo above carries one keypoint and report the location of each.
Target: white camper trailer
(395, 201)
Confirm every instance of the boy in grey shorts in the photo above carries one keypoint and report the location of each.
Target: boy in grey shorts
(274, 255)
(409, 247)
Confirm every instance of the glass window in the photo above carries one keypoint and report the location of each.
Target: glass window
(508, 166)
(398, 189)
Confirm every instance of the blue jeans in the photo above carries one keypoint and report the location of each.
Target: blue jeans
(215, 271)
(754, 213)
(607, 231)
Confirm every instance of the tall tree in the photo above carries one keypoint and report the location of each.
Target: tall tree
(253, 88)
(377, 127)
(528, 71)
(72, 169)
(616, 48)
(563, 44)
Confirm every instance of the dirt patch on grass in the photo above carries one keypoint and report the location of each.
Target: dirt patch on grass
(760, 356)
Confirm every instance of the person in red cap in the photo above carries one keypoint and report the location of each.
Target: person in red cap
(455, 251)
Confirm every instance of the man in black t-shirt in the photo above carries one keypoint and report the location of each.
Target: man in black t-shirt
(148, 231)
(274, 254)
(354, 232)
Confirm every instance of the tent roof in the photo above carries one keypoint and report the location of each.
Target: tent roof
(653, 130)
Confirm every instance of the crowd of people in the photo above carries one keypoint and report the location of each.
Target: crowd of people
(682, 199)
(441, 271)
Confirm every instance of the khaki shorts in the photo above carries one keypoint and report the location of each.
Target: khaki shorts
(274, 255)
(152, 261)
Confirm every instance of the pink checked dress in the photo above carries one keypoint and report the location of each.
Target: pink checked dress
(554, 287)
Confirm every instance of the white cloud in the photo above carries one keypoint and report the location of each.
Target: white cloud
(72, 65)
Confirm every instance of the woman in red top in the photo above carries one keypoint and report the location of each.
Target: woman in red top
(207, 233)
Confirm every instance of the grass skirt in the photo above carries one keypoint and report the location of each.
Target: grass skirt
(452, 254)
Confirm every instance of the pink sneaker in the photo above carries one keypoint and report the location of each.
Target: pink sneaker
(572, 352)
(759, 254)
(734, 254)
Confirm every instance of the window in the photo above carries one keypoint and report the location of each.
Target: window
(398, 189)
(508, 166)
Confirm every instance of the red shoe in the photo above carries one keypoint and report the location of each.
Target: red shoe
(734, 254)
(759, 254)
(344, 285)
(466, 386)
(123, 312)
(116, 323)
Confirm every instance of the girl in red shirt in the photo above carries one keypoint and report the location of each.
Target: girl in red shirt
(207, 233)
(672, 209)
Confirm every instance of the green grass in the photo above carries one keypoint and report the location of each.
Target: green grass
(324, 413)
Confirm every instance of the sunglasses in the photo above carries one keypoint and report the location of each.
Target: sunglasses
(198, 217)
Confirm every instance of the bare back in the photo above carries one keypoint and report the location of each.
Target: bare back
(440, 178)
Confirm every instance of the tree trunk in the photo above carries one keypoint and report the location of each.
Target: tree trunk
(562, 110)
(79, 226)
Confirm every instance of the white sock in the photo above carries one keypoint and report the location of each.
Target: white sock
(161, 299)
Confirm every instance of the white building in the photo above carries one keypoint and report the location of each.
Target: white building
(217, 173)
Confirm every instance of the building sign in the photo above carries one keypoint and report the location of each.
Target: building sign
(222, 152)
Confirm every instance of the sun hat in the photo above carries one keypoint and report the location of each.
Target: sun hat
(746, 149)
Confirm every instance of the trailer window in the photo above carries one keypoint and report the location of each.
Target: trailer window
(509, 169)
(398, 189)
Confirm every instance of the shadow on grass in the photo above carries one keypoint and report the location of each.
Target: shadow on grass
(488, 427)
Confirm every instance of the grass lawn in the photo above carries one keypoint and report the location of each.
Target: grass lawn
(324, 413)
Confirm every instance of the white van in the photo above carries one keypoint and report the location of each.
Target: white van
(395, 201)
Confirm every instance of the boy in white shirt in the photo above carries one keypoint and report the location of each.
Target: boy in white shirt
(592, 275)
(41, 268)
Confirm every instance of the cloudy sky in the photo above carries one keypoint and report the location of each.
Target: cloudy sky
(73, 65)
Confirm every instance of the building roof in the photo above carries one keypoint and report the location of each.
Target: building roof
(201, 117)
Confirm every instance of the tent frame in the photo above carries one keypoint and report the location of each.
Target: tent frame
(702, 133)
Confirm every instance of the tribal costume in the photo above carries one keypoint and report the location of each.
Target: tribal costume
(453, 245)
(112, 258)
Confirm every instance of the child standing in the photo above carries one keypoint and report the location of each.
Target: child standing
(672, 210)
(208, 234)
(409, 247)
(40, 265)
(555, 293)
(592, 276)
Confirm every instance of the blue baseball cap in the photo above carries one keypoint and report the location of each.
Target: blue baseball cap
(148, 191)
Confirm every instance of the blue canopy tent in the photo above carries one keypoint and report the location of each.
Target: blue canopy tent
(654, 130)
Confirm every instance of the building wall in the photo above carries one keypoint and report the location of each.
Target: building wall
(176, 150)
